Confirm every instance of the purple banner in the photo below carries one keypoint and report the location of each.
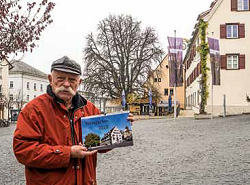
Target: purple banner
(150, 98)
(123, 100)
(175, 61)
(215, 60)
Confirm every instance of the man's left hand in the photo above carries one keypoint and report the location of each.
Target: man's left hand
(131, 118)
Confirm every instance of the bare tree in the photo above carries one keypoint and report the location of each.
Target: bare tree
(120, 57)
(5, 102)
(17, 101)
(21, 25)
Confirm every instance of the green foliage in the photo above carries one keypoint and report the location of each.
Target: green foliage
(203, 49)
(92, 140)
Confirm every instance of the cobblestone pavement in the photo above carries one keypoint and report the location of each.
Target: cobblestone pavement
(187, 151)
(11, 172)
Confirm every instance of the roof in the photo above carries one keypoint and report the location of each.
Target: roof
(205, 13)
(196, 27)
(20, 67)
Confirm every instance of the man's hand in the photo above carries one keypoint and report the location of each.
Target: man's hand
(131, 118)
(79, 151)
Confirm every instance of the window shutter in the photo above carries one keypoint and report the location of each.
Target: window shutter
(222, 31)
(194, 50)
(191, 54)
(233, 5)
(198, 69)
(223, 60)
(242, 62)
(241, 30)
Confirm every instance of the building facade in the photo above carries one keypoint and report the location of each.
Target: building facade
(25, 84)
(4, 89)
(159, 80)
(114, 136)
(228, 21)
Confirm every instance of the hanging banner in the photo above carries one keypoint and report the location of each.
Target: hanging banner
(123, 100)
(169, 103)
(150, 98)
(215, 60)
(175, 61)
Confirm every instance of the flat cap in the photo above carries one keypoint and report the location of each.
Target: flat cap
(65, 64)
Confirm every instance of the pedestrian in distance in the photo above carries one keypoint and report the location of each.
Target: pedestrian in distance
(48, 139)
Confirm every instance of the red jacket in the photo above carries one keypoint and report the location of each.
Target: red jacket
(43, 138)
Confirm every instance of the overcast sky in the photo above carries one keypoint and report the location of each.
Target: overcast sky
(75, 19)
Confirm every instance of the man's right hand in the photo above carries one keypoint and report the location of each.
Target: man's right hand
(79, 151)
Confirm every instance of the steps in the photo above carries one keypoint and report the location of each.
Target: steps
(187, 113)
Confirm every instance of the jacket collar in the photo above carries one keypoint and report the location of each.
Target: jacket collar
(77, 101)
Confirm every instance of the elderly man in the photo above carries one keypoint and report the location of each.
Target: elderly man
(47, 139)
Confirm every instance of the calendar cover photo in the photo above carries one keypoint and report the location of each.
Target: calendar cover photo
(106, 131)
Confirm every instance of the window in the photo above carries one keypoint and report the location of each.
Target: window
(166, 92)
(11, 84)
(198, 98)
(35, 86)
(157, 80)
(28, 85)
(232, 62)
(194, 98)
(28, 97)
(34, 96)
(171, 92)
(242, 5)
(41, 87)
(232, 31)
(11, 97)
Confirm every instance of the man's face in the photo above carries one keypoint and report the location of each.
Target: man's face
(64, 85)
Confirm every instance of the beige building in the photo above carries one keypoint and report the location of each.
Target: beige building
(4, 89)
(160, 81)
(228, 21)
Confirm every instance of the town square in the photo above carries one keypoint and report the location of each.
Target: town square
(185, 151)
(124, 92)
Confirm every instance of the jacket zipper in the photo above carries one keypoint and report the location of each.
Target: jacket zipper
(72, 130)
(73, 143)
(71, 119)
